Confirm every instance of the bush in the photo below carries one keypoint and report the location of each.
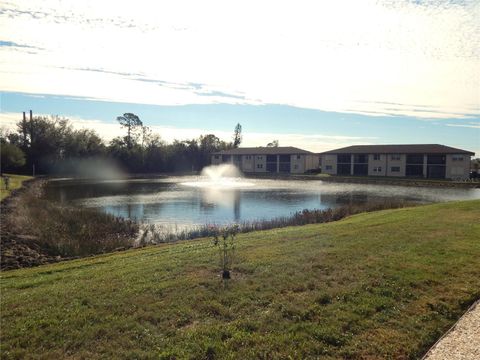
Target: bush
(224, 238)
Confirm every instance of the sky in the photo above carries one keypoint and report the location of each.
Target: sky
(313, 74)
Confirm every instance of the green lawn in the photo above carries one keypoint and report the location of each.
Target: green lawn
(15, 183)
(376, 285)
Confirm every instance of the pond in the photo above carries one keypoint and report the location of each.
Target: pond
(186, 201)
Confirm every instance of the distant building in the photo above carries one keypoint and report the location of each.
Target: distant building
(431, 161)
(268, 159)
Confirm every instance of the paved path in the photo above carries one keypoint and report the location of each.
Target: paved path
(462, 342)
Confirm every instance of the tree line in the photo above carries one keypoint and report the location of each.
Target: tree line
(50, 145)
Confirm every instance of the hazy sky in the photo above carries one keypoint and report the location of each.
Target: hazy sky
(313, 74)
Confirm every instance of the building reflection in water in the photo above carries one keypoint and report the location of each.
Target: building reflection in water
(223, 198)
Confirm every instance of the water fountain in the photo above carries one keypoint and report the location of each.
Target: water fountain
(224, 176)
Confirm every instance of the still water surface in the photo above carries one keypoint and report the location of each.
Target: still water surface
(183, 202)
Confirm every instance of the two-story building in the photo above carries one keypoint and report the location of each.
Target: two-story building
(268, 159)
(431, 161)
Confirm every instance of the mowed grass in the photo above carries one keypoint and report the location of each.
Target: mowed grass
(375, 285)
(16, 182)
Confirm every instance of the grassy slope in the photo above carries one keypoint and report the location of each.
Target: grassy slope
(15, 183)
(376, 285)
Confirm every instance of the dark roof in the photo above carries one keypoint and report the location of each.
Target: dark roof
(286, 150)
(399, 149)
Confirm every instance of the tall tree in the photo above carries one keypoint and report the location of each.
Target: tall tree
(237, 136)
(131, 122)
(83, 143)
(11, 156)
(146, 134)
(274, 143)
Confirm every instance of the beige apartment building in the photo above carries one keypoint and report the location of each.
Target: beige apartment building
(431, 161)
(268, 159)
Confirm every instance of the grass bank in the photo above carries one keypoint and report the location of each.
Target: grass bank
(376, 285)
(15, 183)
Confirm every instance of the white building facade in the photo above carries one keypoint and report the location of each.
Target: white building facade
(432, 161)
(288, 160)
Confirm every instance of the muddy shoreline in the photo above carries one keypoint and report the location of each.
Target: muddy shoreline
(35, 231)
(20, 250)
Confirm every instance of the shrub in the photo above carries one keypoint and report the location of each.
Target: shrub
(224, 239)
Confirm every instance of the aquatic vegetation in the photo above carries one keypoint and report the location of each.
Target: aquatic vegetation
(157, 234)
(64, 231)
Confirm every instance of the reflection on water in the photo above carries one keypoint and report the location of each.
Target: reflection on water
(171, 201)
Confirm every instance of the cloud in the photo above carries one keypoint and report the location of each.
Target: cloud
(420, 112)
(471, 125)
(196, 88)
(219, 94)
(13, 44)
(334, 56)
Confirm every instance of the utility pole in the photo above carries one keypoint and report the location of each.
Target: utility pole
(24, 130)
(31, 139)
(31, 127)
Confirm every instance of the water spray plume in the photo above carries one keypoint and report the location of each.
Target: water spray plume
(216, 172)
(220, 176)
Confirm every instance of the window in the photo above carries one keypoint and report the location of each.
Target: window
(328, 167)
(360, 159)
(343, 169)
(217, 157)
(377, 169)
(457, 157)
(376, 156)
(259, 166)
(414, 170)
(436, 159)
(248, 157)
(298, 157)
(395, 157)
(415, 159)
(344, 158)
(395, 169)
(295, 167)
(259, 157)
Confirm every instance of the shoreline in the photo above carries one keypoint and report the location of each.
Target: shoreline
(26, 247)
(419, 182)
(35, 231)
(403, 182)
(370, 180)
(22, 249)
